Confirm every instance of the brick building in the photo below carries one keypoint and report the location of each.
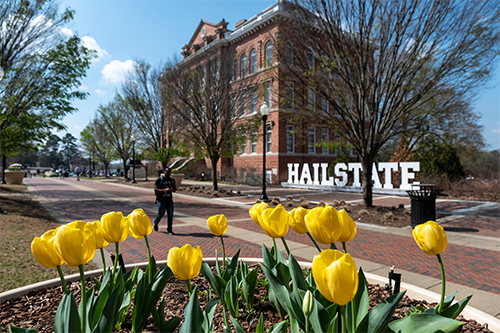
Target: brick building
(257, 65)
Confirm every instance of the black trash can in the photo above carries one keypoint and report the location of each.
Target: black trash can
(423, 204)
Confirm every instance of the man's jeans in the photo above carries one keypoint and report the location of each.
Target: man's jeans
(167, 206)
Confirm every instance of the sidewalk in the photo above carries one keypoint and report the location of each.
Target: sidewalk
(472, 259)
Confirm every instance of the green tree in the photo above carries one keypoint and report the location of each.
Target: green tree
(69, 149)
(50, 152)
(368, 57)
(438, 158)
(42, 71)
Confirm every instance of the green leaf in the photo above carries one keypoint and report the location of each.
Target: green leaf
(237, 326)
(260, 325)
(193, 316)
(357, 309)
(280, 327)
(283, 274)
(448, 300)
(15, 329)
(457, 308)
(216, 282)
(231, 267)
(297, 275)
(67, 317)
(248, 288)
(231, 297)
(151, 268)
(109, 314)
(268, 257)
(425, 323)
(208, 315)
(377, 319)
(333, 325)
(159, 318)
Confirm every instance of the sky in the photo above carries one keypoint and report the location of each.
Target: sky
(122, 31)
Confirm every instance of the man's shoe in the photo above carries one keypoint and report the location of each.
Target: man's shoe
(170, 233)
(156, 227)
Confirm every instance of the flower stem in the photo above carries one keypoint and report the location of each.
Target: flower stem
(117, 251)
(333, 246)
(83, 303)
(275, 251)
(61, 276)
(286, 246)
(443, 285)
(103, 262)
(190, 289)
(343, 319)
(147, 245)
(223, 254)
(315, 244)
(344, 247)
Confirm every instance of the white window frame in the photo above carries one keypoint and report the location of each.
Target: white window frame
(243, 65)
(325, 138)
(269, 54)
(243, 146)
(268, 93)
(325, 104)
(243, 104)
(290, 136)
(253, 144)
(253, 100)
(311, 99)
(311, 144)
(269, 139)
(290, 95)
(310, 59)
(253, 61)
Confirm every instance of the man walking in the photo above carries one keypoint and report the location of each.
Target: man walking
(164, 187)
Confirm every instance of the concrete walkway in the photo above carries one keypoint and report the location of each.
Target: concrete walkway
(472, 259)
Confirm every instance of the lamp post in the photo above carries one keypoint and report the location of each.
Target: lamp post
(133, 159)
(90, 165)
(3, 170)
(264, 111)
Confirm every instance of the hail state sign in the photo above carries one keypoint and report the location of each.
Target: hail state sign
(318, 175)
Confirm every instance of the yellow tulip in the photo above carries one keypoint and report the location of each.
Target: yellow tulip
(297, 222)
(43, 250)
(336, 276)
(323, 224)
(139, 224)
(185, 262)
(275, 221)
(114, 227)
(256, 211)
(217, 224)
(430, 237)
(347, 227)
(100, 242)
(75, 243)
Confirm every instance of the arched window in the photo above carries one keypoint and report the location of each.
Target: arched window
(269, 54)
(243, 65)
(289, 53)
(253, 61)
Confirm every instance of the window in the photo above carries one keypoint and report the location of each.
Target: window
(325, 105)
(269, 54)
(269, 132)
(253, 101)
(289, 53)
(253, 61)
(234, 106)
(311, 141)
(290, 95)
(243, 104)
(310, 59)
(253, 144)
(243, 65)
(290, 139)
(338, 141)
(235, 70)
(325, 64)
(311, 99)
(325, 138)
(267, 93)
(243, 147)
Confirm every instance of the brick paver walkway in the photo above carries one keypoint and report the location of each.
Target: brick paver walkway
(474, 267)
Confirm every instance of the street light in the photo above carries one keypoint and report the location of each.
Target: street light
(3, 170)
(90, 165)
(264, 111)
(133, 159)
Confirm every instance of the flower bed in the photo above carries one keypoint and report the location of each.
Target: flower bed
(333, 296)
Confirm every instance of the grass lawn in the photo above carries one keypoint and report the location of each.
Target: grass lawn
(25, 220)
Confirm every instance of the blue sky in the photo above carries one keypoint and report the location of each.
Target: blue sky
(155, 30)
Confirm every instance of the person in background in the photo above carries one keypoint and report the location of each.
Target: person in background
(164, 187)
(77, 172)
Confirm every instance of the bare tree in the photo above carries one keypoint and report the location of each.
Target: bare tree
(379, 62)
(209, 107)
(156, 128)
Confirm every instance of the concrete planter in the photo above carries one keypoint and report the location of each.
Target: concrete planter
(14, 177)
(411, 290)
(178, 179)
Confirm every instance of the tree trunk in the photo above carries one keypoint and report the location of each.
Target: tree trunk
(367, 181)
(214, 161)
(125, 169)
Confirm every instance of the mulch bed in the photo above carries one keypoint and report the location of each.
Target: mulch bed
(37, 309)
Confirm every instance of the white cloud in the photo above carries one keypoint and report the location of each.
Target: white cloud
(91, 44)
(116, 71)
(66, 32)
(100, 92)
(83, 87)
